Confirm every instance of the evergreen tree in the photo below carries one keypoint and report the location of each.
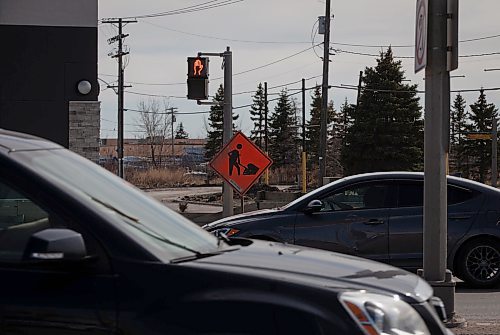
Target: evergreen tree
(283, 133)
(257, 115)
(180, 133)
(313, 127)
(313, 131)
(216, 125)
(387, 126)
(458, 142)
(482, 114)
(336, 139)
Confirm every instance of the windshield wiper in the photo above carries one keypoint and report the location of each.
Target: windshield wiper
(201, 255)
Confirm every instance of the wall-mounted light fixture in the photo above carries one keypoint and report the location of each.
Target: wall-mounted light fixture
(84, 87)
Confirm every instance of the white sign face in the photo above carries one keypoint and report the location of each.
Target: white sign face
(421, 35)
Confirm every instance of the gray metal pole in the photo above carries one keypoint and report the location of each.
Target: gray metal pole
(324, 95)
(494, 160)
(436, 97)
(227, 195)
(437, 107)
(120, 99)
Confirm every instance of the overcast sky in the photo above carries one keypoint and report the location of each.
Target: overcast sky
(159, 47)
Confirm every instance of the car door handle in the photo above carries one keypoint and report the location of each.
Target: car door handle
(374, 222)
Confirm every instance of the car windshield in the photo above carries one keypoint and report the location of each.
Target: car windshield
(166, 233)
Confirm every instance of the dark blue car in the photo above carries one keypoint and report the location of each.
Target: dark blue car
(380, 216)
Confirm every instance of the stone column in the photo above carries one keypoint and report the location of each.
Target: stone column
(84, 126)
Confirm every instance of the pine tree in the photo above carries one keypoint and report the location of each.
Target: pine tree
(387, 126)
(180, 133)
(458, 142)
(482, 114)
(283, 133)
(216, 125)
(313, 129)
(336, 139)
(257, 115)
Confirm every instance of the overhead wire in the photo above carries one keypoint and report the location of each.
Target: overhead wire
(189, 9)
(222, 38)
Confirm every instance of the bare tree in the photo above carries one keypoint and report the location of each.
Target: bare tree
(155, 122)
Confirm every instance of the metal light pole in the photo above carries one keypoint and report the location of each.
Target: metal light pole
(227, 191)
(436, 139)
(227, 195)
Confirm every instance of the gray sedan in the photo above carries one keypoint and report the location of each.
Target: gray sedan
(380, 216)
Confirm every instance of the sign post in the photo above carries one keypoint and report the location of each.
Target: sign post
(240, 163)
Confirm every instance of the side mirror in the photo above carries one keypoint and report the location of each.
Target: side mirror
(314, 206)
(55, 244)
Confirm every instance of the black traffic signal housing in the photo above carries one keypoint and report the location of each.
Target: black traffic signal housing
(197, 81)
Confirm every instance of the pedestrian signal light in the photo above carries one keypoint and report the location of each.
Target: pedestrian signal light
(197, 81)
(197, 67)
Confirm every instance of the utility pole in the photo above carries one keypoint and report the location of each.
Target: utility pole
(304, 154)
(172, 120)
(494, 145)
(324, 96)
(266, 110)
(121, 87)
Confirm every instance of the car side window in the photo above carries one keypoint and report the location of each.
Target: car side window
(411, 194)
(458, 195)
(19, 219)
(364, 196)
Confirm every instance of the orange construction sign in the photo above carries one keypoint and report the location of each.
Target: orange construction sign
(240, 163)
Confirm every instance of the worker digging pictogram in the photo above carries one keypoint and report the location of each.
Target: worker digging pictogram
(240, 163)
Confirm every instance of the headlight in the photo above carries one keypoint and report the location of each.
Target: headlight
(382, 315)
(227, 232)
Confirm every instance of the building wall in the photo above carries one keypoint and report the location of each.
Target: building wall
(84, 122)
(48, 46)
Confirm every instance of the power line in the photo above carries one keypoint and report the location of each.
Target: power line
(189, 9)
(409, 57)
(410, 45)
(155, 95)
(224, 39)
(271, 63)
(165, 113)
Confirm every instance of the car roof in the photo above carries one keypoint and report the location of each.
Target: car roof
(14, 141)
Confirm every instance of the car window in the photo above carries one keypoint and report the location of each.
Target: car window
(411, 194)
(365, 196)
(19, 219)
(165, 233)
(457, 194)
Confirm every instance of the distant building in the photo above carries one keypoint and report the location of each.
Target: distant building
(187, 152)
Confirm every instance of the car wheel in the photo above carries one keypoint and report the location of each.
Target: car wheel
(479, 263)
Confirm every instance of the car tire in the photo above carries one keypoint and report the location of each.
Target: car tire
(479, 263)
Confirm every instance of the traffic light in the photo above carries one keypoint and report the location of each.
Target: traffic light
(197, 81)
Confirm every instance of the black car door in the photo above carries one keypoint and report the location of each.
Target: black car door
(49, 297)
(353, 220)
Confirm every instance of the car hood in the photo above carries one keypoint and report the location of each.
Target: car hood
(319, 268)
(225, 222)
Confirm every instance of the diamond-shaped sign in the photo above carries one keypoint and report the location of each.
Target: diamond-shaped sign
(240, 163)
